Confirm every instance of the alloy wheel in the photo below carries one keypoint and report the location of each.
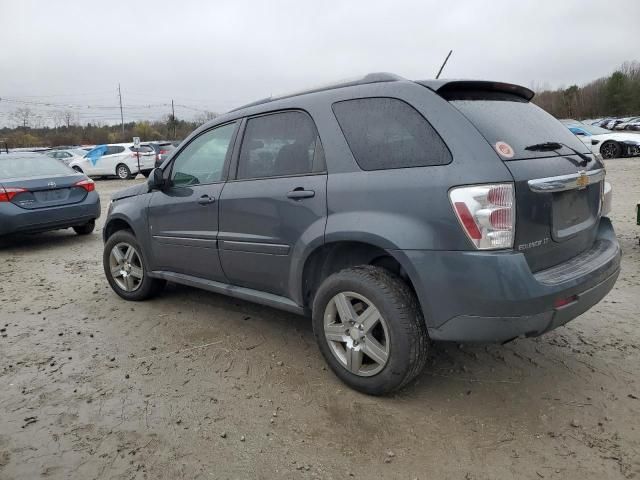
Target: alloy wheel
(123, 173)
(126, 268)
(609, 150)
(357, 334)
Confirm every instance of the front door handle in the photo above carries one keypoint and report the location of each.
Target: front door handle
(206, 200)
(300, 193)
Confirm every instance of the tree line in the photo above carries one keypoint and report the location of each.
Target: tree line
(617, 95)
(28, 133)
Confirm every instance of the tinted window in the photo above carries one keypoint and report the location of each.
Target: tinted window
(203, 159)
(30, 166)
(518, 123)
(142, 149)
(388, 133)
(114, 149)
(279, 144)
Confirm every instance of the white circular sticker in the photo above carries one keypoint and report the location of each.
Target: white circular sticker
(504, 149)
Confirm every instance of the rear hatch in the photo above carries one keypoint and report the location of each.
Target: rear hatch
(557, 179)
(43, 192)
(38, 181)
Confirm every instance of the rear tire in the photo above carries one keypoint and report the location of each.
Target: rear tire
(123, 172)
(85, 229)
(610, 149)
(374, 353)
(126, 269)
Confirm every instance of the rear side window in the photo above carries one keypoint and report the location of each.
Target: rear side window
(280, 144)
(142, 149)
(114, 149)
(386, 133)
(523, 126)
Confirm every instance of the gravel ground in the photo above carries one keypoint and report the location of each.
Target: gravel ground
(196, 385)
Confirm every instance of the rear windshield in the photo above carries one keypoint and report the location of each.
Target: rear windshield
(31, 166)
(510, 124)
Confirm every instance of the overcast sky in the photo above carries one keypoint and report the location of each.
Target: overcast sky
(215, 55)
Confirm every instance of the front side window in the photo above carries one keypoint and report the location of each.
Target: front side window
(202, 161)
(279, 144)
(385, 133)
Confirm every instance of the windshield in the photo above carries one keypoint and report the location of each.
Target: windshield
(23, 166)
(511, 124)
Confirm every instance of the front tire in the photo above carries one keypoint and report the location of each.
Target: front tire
(610, 149)
(123, 172)
(370, 329)
(126, 269)
(85, 229)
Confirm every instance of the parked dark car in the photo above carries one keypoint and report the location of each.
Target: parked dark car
(393, 212)
(162, 149)
(39, 193)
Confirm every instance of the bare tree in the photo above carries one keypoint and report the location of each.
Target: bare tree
(69, 117)
(205, 116)
(23, 117)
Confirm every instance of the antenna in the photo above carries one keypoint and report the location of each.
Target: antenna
(443, 64)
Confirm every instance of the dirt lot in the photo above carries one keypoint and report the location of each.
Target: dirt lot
(197, 385)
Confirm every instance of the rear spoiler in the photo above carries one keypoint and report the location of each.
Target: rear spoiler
(451, 89)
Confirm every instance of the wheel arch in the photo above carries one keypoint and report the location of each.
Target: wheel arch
(115, 224)
(334, 256)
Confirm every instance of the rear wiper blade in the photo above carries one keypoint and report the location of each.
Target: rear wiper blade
(549, 146)
(543, 147)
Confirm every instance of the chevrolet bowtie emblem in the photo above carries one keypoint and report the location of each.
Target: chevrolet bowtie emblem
(583, 179)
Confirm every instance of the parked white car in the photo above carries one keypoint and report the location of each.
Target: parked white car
(119, 159)
(607, 143)
(66, 156)
(627, 121)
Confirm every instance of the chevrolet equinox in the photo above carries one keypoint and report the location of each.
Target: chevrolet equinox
(392, 212)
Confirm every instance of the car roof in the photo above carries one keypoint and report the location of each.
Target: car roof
(376, 77)
(438, 86)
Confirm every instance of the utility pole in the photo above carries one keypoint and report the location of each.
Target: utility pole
(173, 119)
(443, 64)
(121, 114)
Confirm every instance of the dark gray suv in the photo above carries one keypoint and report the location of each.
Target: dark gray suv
(393, 212)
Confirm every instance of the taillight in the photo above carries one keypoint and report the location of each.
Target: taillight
(7, 193)
(87, 184)
(487, 214)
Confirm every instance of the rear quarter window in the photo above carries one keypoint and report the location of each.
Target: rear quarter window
(387, 133)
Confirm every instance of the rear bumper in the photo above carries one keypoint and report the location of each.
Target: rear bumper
(494, 297)
(14, 219)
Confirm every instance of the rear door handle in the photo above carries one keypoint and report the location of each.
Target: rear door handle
(299, 193)
(206, 200)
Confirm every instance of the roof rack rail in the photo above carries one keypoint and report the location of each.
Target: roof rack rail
(375, 77)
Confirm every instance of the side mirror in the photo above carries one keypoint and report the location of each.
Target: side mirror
(156, 179)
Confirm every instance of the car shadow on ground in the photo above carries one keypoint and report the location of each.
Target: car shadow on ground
(42, 241)
(450, 366)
